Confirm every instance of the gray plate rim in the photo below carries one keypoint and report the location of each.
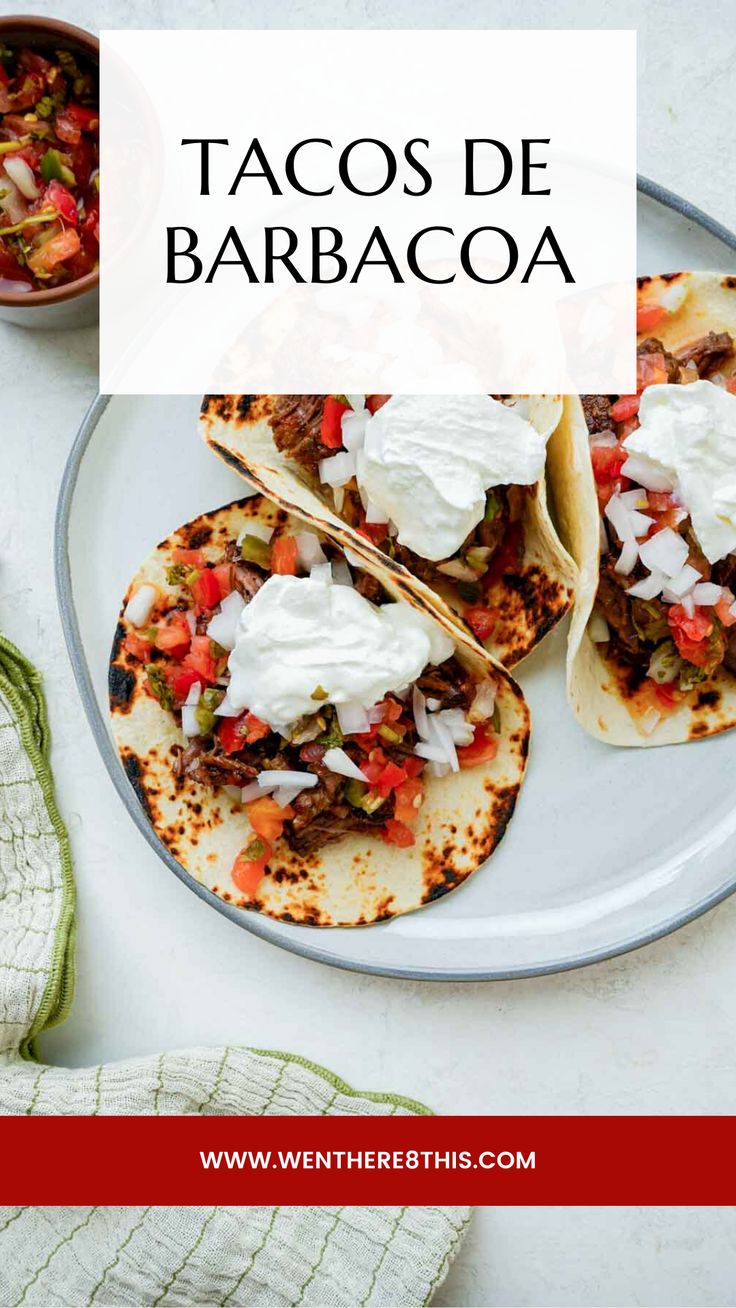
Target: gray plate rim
(301, 942)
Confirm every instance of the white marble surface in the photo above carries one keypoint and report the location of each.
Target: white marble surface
(649, 1033)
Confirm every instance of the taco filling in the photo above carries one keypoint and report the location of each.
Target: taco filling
(663, 460)
(439, 483)
(298, 681)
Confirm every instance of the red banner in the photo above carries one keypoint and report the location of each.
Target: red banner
(379, 1160)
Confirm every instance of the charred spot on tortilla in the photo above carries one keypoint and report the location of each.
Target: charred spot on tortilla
(729, 283)
(709, 699)
(135, 773)
(121, 684)
(117, 641)
(244, 404)
(197, 537)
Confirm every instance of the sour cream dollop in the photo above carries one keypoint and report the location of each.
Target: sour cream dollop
(428, 461)
(690, 431)
(299, 635)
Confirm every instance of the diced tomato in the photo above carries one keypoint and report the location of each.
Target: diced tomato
(331, 430)
(202, 660)
(731, 384)
(250, 865)
(670, 518)
(481, 620)
(205, 589)
(507, 557)
(140, 648)
(81, 117)
(191, 558)
(407, 800)
(690, 634)
(413, 765)
(54, 251)
(484, 747)
(666, 695)
(651, 370)
(58, 197)
(648, 316)
(267, 817)
(66, 129)
(724, 606)
(284, 555)
(626, 406)
(391, 777)
(174, 636)
(375, 402)
(243, 730)
(607, 461)
(373, 531)
(32, 62)
(181, 681)
(224, 574)
(659, 501)
(374, 765)
(4, 77)
(398, 833)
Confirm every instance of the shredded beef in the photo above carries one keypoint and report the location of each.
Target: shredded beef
(614, 605)
(208, 765)
(597, 410)
(296, 423)
(707, 353)
(729, 658)
(369, 587)
(449, 683)
(672, 363)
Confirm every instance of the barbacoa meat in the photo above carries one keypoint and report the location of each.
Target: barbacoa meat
(597, 410)
(210, 766)
(449, 683)
(672, 363)
(708, 353)
(296, 423)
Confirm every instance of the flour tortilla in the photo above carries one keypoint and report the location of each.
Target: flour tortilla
(358, 880)
(529, 604)
(598, 698)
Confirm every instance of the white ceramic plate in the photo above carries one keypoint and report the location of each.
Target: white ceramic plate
(608, 850)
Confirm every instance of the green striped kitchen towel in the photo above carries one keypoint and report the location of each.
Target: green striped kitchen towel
(145, 1256)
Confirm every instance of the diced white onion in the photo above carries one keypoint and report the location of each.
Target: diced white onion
(649, 587)
(354, 559)
(419, 708)
(433, 705)
(338, 496)
(19, 172)
(256, 528)
(440, 735)
(681, 583)
(688, 603)
(341, 574)
(356, 402)
(341, 763)
(640, 523)
(321, 572)
(353, 427)
(674, 295)
(338, 470)
(436, 769)
(285, 795)
(665, 550)
(254, 791)
(457, 724)
(626, 561)
(604, 440)
(635, 500)
(706, 592)
(194, 695)
(484, 700)
(376, 714)
(598, 629)
(226, 708)
(309, 549)
(223, 626)
(352, 718)
(374, 514)
(650, 720)
(189, 723)
(191, 618)
(640, 468)
(269, 779)
(732, 609)
(619, 517)
(140, 605)
(433, 752)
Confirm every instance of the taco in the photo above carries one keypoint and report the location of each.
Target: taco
(305, 737)
(449, 490)
(645, 487)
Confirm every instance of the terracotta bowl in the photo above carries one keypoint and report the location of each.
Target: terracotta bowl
(76, 304)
